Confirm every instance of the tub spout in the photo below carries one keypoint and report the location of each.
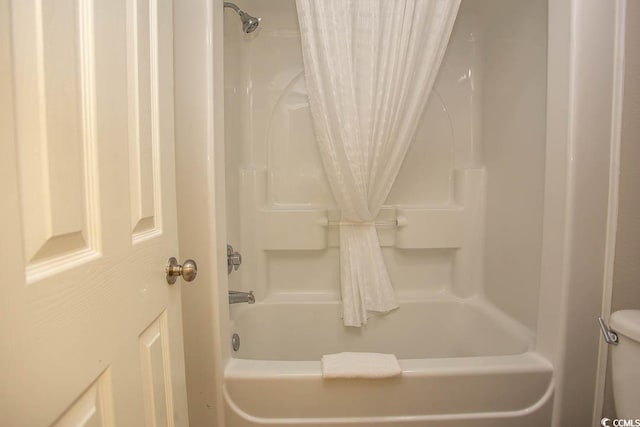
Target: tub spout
(236, 297)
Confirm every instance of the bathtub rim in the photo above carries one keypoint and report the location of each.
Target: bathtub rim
(265, 369)
(521, 363)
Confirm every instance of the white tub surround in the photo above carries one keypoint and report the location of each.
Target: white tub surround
(459, 232)
(369, 67)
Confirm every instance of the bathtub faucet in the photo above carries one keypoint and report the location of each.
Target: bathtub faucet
(236, 297)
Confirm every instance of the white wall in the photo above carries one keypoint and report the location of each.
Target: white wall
(626, 279)
(626, 274)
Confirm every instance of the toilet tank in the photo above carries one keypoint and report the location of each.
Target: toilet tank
(625, 359)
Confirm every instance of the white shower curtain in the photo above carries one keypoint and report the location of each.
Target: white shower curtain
(369, 67)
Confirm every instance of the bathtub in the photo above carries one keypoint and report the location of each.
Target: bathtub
(463, 364)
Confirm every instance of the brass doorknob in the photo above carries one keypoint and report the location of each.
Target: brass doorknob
(188, 270)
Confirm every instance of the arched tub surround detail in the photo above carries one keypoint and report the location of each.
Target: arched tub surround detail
(460, 203)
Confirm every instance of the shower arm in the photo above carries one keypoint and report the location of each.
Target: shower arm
(232, 6)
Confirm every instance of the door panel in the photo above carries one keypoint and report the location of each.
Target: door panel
(57, 149)
(90, 330)
(156, 373)
(93, 408)
(142, 32)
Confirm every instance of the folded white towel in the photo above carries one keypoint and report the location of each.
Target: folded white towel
(360, 365)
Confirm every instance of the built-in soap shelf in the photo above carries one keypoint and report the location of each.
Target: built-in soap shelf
(430, 228)
(405, 227)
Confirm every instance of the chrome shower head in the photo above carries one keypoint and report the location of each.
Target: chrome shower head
(249, 23)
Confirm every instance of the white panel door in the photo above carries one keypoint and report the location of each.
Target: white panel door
(90, 331)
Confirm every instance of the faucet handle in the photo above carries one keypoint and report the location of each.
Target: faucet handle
(234, 259)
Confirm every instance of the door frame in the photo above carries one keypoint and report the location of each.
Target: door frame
(199, 127)
(574, 129)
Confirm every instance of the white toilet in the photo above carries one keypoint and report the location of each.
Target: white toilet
(625, 363)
